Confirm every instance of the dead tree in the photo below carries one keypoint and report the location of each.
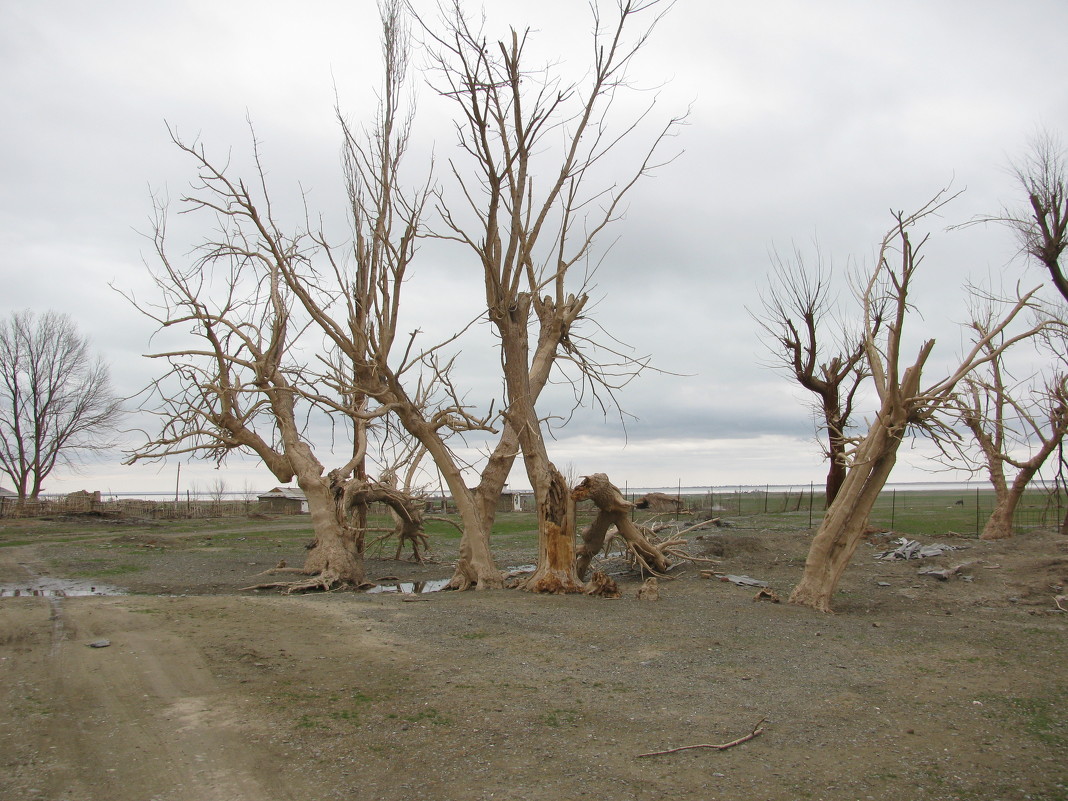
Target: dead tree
(614, 510)
(806, 335)
(1043, 228)
(1015, 427)
(56, 400)
(904, 402)
(255, 309)
(529, 207)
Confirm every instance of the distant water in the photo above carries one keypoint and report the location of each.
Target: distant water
(728, 489)
(718, 489)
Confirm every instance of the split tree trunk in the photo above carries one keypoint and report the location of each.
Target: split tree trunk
(614, 510)
(555, 572)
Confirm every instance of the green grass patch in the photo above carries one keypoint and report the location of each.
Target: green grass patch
(560, 717)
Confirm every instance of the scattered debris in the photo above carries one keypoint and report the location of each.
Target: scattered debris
(741, 581)
(758, 729)
(911, 549)
(99, 644)
(602, 585)
(650, 590)
(767, 595)
(1057, 600)
(945, 574)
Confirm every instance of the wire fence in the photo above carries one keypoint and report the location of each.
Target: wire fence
(934, 512)
(92, 504)
(959, 511)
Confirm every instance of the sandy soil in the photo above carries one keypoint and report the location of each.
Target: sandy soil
(915, 689)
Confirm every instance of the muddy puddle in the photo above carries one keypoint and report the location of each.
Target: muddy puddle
(57, 588)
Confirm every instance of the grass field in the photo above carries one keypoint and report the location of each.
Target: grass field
(916, 513)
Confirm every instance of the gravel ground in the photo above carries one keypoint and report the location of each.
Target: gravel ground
(916, 689)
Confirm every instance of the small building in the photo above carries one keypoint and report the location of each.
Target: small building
(283, 501)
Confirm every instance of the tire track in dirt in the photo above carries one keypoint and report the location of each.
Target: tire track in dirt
(144, 718)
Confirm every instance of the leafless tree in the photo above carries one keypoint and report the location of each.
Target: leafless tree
(56, 400)
(1015, 424)
(805, 332)
(1041, 225)
(1043, 229)
(261, 372)
(905, 403)
(217, 490)
(269, 298)
(532, 195)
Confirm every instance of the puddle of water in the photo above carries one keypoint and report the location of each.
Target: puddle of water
(411, 587)
(57, 588)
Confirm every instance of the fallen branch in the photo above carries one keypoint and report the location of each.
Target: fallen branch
(758, 729)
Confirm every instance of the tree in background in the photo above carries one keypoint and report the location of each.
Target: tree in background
(1042, 227)
(1016, 425)
(904, 402)
(56, 400)
(806, 333)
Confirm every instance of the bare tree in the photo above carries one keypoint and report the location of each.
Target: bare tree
(1041, 226)
(217, 490)
(805, 332)
(261, 373)
(904, 402)
(1015, 425)
(530, 205)
(56, 400)
(1043, 229)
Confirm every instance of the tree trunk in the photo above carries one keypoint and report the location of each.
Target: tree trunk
(555, 572)
(614, 510)
(338, 552)
(475, 568)
(835, 475)
(846, 520)
(999, 524)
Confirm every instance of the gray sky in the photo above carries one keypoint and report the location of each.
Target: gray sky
(809, 120)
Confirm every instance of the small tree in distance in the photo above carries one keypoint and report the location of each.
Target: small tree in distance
(56, 400)
(904, 402)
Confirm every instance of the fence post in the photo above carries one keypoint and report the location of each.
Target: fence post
(811, 491)
(893, 507)
(977, 531)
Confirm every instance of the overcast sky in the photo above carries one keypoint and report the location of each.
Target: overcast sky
(808, 121)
